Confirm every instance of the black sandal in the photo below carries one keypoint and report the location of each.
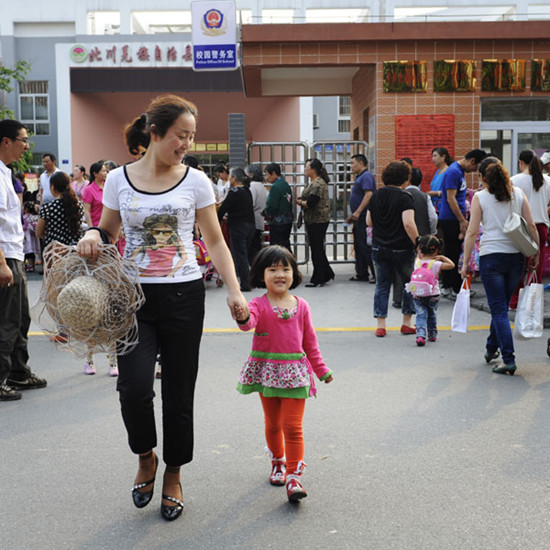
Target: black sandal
(143, 498)
(170, 513)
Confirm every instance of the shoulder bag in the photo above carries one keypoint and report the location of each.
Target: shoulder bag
(515, 228)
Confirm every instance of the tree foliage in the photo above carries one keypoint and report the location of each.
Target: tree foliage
(8, 78)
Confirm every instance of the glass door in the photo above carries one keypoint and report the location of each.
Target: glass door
(538, 142)
(506, 140)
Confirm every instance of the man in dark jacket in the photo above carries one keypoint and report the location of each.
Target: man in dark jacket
(278, 208)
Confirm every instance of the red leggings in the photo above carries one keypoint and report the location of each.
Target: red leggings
(283, 418)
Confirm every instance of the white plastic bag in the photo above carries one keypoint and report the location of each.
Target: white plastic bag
(529, 320)
(461, 311)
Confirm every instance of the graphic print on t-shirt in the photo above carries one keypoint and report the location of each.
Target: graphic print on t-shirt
(161, 253)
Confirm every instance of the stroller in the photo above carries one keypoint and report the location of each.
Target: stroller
(205, 263)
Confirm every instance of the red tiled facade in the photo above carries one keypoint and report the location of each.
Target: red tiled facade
(367, 46)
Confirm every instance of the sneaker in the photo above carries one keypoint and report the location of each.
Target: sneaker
(9, 394)
(32, 382)
(278, 472)
(433, 337)
(294, 489)
(445, 292)
(89, 368)
(113, 370)
(420, 341)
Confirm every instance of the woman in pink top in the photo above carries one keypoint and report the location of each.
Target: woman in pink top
(92, 196)
(79, 183)
(284, 357)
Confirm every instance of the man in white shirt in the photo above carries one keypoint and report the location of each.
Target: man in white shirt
(222, 173)
(48, 162)
(15, 375)
(545, 159)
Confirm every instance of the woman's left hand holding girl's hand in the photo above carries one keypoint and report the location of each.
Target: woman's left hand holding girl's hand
(237, 305)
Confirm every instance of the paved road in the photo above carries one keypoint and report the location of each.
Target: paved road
(409, 448)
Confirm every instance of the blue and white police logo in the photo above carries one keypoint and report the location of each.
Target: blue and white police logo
(213, 23)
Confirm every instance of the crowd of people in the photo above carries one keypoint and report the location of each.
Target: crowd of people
(163, 201)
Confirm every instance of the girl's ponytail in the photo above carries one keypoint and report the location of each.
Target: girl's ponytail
(535, 169)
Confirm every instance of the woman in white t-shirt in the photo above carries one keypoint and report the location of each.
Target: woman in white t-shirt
(536, 187)
(156, 200)
(501, 264)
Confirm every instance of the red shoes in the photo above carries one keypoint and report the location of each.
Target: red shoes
(278, 472)
(294, 489)
(381, 332)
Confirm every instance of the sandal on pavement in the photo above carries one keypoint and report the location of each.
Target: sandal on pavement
(170, 513)
(143, 498)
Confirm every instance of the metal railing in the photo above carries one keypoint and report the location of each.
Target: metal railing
(335, 156)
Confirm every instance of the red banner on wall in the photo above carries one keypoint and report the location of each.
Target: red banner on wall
(417, 135)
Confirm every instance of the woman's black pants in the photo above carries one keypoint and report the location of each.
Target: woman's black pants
(322, 272)
(171, 320)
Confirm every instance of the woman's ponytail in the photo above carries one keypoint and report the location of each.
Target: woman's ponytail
(136, 135)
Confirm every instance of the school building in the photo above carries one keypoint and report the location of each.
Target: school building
(402, 77)
(415, 86)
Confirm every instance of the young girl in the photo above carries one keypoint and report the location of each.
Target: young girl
(428, 256)
(31, 243)
(280, 367)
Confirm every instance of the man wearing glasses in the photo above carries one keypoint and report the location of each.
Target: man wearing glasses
(15, 375)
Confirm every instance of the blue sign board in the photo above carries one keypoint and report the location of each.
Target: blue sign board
(218, 56)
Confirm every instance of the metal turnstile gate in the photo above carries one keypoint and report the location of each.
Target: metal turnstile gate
(335, 156)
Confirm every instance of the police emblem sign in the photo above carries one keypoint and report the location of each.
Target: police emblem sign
(214, 35)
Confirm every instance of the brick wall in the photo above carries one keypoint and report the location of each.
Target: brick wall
(367, 90)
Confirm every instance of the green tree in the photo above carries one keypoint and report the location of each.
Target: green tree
(8, 78)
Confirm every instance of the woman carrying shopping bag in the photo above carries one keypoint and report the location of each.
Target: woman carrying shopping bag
(500, 262)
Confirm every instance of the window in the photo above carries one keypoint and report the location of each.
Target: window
(344, 105)
(344, 114)
(315, 122)
(34, 106)
(277, 16)
(516, 109)
(158, 22)
(103, 22)
(344, 126)
(340, 15)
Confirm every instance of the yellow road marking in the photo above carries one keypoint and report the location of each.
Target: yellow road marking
(318, 329)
